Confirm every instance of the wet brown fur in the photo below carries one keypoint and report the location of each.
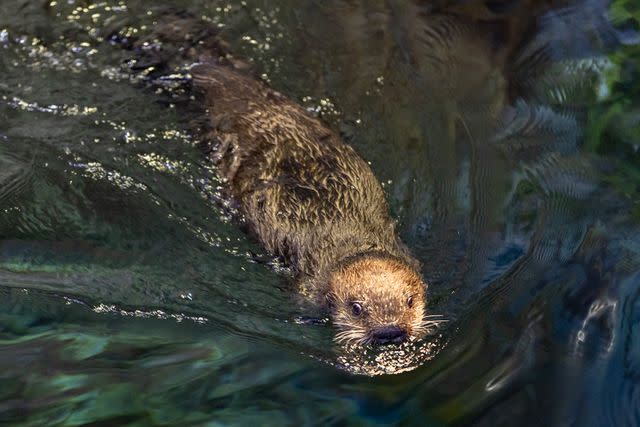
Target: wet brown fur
(309, 198)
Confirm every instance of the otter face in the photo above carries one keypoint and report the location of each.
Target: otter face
(376, 300)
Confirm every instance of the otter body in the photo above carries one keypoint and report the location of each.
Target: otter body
(310, 199)
(304, 194)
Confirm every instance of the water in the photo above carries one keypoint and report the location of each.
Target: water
(128, 295)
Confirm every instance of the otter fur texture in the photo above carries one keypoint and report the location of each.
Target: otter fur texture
(310, 199)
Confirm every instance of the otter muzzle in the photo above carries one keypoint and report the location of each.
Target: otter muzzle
(388, 335)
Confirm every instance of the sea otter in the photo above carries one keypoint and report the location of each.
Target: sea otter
(310, 199)
(300, 191)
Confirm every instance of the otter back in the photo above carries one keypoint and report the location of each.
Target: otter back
(303, 193)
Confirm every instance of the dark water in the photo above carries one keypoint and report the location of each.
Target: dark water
(506, 136)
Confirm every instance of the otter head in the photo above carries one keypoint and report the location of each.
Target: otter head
(376, 300)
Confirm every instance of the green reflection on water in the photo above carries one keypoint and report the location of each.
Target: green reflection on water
(129, 296)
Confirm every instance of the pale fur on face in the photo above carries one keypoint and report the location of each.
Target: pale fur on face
(382, 286)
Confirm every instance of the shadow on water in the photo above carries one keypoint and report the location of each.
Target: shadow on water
(505, 135)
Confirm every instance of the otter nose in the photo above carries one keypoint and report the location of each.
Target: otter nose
(389, 334)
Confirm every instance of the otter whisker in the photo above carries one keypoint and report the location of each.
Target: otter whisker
(350, 333)
(428, 324)
(435, 322)
(349, 336)
(434, 318)
(367, 340)
(343, 337)
(346, 328)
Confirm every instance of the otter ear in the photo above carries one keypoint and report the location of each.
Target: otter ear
(330, 300)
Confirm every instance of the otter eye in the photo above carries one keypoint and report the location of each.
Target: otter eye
(410, 301)
(356, 308)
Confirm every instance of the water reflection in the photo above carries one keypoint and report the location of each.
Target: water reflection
(483, 121)
(462, 95)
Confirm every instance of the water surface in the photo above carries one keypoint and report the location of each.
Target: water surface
(505, 135)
